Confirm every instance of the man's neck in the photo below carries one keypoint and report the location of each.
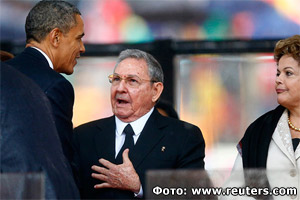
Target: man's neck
(45, 50)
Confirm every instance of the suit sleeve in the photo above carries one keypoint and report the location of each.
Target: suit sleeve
(61, 96)
(75, 164)
(193, 150)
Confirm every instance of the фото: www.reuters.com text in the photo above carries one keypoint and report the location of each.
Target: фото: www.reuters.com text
(218, 191)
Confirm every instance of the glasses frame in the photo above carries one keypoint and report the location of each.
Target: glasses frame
(127, 79)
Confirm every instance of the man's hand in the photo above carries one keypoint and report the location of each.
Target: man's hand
(121, 176)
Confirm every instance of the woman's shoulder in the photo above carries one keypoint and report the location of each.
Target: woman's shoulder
(265, 123)
(271, 116)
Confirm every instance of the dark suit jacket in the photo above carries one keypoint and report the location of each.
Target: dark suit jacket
(183, 148)
(58, 90)
(29, 140)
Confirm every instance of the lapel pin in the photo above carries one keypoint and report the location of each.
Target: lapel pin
(163, 149)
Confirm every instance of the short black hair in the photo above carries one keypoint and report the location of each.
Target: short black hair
(167, 107)
(47, 15)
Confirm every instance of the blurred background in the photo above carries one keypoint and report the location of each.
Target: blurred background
(216, 56)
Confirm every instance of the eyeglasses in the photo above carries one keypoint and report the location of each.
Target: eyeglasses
(130, 80)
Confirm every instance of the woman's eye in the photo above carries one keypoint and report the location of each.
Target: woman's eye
(289, 73)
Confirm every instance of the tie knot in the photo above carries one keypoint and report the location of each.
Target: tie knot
(128, 130)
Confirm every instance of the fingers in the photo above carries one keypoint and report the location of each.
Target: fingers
(101, 170)
(102, 185)
(122, 176)
(107, 164)
(126, 156)
(100, 177)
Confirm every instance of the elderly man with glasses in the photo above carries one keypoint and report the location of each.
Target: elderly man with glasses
(113, 154)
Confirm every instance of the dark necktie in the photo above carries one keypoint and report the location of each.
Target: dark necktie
(128, 144)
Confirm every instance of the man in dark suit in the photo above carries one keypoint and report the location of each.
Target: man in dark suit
(29, 141)
(150, 140)
(54, 30)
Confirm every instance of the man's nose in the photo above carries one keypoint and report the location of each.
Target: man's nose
(122, 85)
(82, 47)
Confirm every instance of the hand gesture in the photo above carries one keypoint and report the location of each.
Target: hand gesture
(121, 176)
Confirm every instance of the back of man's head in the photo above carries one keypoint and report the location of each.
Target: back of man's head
(47, 15)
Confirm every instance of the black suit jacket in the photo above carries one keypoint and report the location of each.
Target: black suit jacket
(58, 90)
(183, 146)
(29, 140)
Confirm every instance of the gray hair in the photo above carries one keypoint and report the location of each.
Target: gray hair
(154, 68)
(47, 15)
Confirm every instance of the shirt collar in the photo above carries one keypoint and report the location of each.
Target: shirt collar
(136, 125)
(45, 55)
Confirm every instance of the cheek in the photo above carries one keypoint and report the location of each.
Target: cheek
(137, 99)
(75, 50)
(145, 99)
(134, 98)
(112, 94)
(71, 48)
(298, 83)
(297, 88)
(294, 86)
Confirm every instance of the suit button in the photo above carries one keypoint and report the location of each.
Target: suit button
(293, 173)
(293, 197)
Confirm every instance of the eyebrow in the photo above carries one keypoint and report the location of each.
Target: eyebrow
(128, 75)
(286, 68)
(81, 35)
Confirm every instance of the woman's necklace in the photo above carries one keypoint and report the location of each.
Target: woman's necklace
(292, 126)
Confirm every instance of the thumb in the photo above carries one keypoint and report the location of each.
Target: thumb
(126, 156)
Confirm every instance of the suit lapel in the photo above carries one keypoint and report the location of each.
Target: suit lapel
(105, 139)
(278, 138)
(150, 136)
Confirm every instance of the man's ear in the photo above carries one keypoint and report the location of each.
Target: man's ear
(55, 37)
(157, 89)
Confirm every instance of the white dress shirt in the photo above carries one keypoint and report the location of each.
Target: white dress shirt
(137, 126)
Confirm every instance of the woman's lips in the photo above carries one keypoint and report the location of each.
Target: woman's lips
(280, 90)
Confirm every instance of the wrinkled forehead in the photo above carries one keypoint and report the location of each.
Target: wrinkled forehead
(132, 66)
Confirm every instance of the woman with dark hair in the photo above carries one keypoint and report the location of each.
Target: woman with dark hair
(272, 141)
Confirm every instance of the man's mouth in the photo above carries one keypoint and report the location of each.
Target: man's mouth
(122, 101)
(76, 58)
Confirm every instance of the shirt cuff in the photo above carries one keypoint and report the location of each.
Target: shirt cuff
(140, 194)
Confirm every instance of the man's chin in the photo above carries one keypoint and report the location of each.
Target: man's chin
(121, 115)
(125, 117)
(69, 71)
